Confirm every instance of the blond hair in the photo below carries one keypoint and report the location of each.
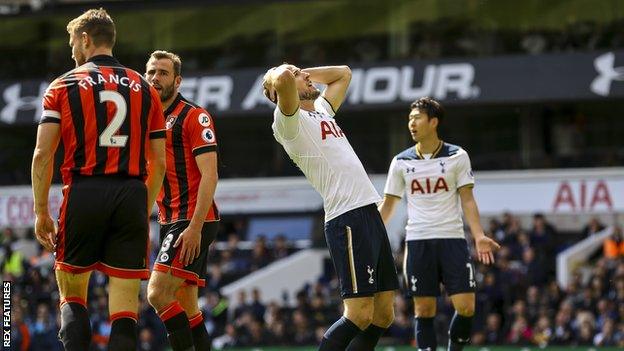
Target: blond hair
(98, 25)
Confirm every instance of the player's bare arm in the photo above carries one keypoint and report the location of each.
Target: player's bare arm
(279, 86)
(387, 206)
(485, 246)
(337, 79)
(191, 236)
(48, 137)
(156, 165)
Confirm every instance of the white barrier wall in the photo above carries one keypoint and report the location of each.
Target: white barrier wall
(552, 192)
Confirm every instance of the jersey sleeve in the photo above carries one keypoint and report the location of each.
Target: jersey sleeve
(395, 183)
(464, 171)
(287, 127)
(51, 105)
(321, 104)
(157, 121)
(199, 132)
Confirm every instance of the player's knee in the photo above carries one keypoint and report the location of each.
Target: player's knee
(361, 315)
(361, 318)
(155, 297)
(424, 310)
(384, 316)
(159, 295)
(465, 310)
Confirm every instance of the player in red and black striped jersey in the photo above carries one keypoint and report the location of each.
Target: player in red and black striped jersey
(110, 121)
(187, 212)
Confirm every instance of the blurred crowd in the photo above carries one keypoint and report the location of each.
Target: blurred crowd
(445, 37)
(518, 301)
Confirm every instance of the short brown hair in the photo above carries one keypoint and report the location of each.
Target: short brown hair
(430, 106)
(97, 24)
(162, 54)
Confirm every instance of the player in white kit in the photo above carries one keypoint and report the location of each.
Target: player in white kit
(356, 237)
(436, 177)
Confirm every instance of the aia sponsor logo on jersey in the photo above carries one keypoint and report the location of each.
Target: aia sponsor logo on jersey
(330, 128)
(428, 186)
(170, 121)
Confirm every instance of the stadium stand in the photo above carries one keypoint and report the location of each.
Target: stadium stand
(573, 132)
(519, 300)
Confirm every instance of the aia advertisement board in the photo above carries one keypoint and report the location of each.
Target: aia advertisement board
(567, 192)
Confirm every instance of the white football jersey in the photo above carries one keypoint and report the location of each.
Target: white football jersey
(430, 183)
(318, 146)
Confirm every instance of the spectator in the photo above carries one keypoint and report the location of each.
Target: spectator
(613, 246)
(586, 300)
(562, 332)
(227, 340)
(257, 307)
(260, 256)
(20, 335)
(585, 335)
(607, 335)
(303, 333)
(605, 312)
(532, 269)
(44, 331)
(542, 234)
(280, 247)
(520, 332)
(241, 304)
(258, 336)
(533, 304)
(593, 227)
(542, 332)
(493, 334)
(14, 264)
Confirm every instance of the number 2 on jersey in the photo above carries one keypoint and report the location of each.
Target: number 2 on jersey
(107, 138)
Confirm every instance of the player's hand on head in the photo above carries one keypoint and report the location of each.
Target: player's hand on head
(45, 232)
(485, 249)
(190, 239)
(267, 86)
(270, 93)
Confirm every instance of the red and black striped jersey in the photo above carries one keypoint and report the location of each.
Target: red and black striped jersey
(107, 115)
(190, 132)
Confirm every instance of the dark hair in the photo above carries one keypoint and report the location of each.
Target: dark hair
(175, 59)
(431, 107)
(97, 24)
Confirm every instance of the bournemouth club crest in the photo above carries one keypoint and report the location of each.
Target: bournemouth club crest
(170, 121)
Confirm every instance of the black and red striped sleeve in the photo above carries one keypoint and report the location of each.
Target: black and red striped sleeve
(51, 105)
(200, 132)
(157, 120)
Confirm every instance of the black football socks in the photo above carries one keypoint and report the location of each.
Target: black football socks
(425, 334)
(459, 332)
(201, 340)
(367, 339)
(339, 335)
(178, 328)
(75, 331)
(123, 335)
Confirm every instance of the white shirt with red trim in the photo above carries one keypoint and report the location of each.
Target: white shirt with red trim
(318, 146)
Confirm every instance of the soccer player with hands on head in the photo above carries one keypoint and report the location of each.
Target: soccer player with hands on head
(304, 124)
